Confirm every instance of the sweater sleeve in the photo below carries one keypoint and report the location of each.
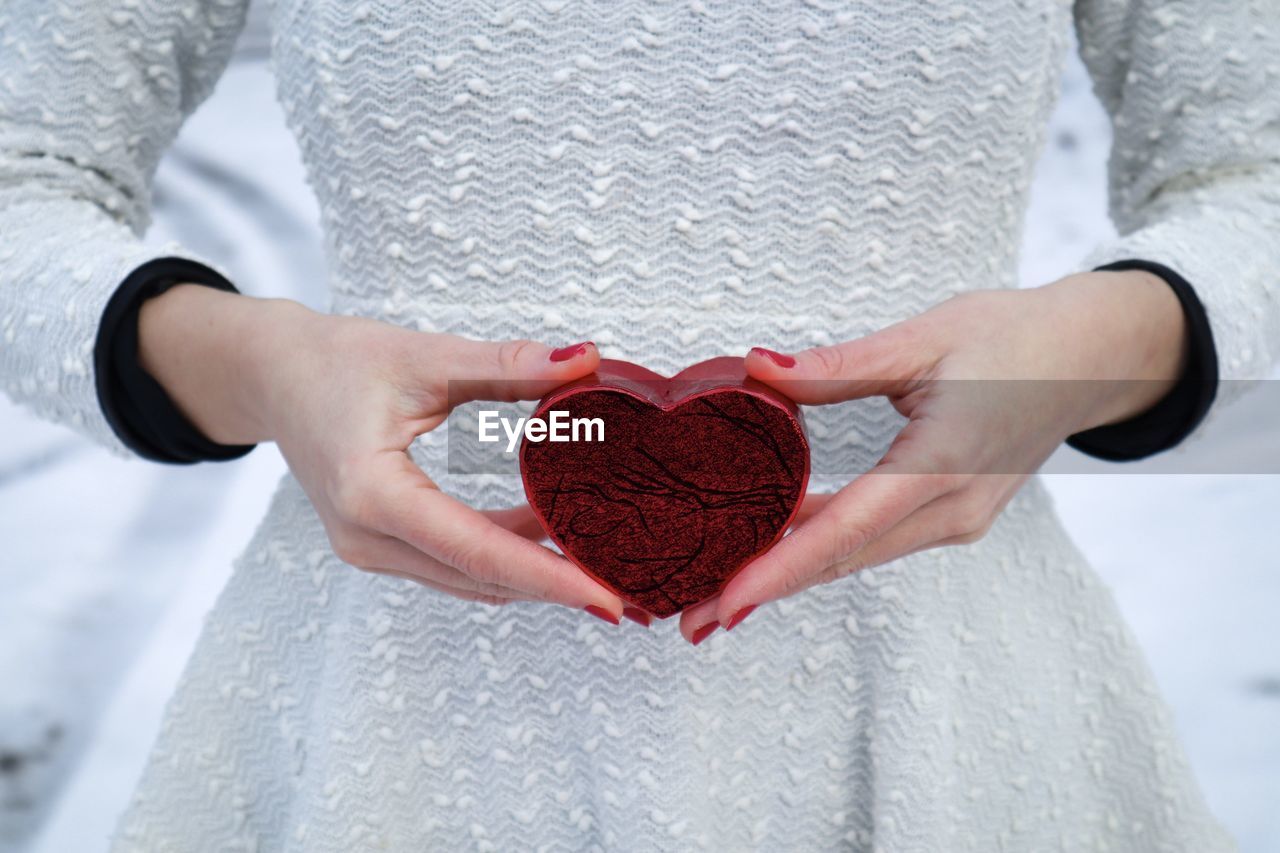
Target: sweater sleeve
(91, 94)
(1193, 91)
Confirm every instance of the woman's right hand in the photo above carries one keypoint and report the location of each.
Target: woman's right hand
(343, 398)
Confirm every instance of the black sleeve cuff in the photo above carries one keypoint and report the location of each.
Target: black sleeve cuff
(135, 405)
(1180, 411)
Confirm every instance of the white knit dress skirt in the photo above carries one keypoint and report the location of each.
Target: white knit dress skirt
(676, 181)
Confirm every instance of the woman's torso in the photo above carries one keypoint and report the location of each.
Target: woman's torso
(676, 181)
(673, 180)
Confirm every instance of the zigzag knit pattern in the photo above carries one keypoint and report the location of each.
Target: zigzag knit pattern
(674, 180)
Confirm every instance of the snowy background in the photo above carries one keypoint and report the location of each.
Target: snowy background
(95, 626)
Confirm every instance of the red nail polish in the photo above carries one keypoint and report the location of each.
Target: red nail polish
(743, 613)
(776, 357)
(703, 632)
(597, 610)
(566, 353)
(635, 614)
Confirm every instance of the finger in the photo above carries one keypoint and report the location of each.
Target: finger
(890, 362)
(951, 519)
(412, 509)
(379, 552)
(520, 520)
(447, 590)
(695, 621)
(699, 621)
(387, 552)
(510, 370)
(865, 509)
(812, 503)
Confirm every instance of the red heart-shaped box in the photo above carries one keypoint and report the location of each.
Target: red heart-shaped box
(696, 476)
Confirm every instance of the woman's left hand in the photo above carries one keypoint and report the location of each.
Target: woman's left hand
(968, 445)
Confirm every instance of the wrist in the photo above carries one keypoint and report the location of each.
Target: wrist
(213, 352)
(1126, 331)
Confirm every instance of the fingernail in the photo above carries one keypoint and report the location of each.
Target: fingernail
(776, 357)
(739, 616)
(703, 632)
(635, 614)
(597, 610)
(566, 353)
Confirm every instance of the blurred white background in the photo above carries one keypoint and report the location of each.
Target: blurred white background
(95, 626)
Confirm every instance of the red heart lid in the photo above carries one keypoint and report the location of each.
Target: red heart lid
(697, 475)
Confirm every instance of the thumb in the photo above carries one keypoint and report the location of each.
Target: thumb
(885, 363)
(511, 370)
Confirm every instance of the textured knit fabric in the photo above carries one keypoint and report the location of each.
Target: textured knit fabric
(675, 180)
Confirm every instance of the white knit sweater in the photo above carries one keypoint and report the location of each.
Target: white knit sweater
(674, 180)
